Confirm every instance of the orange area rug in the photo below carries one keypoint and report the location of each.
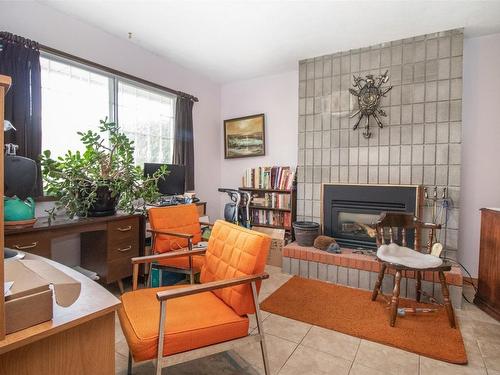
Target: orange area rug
(351, 311)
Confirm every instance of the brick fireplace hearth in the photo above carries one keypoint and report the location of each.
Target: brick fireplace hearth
(360, 271)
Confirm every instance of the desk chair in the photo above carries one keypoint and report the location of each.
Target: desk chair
(160, 323)
(174, 228)
(395, 226)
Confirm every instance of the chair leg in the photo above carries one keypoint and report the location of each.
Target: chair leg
(120, 286)
(260, 329)
(378, 284)
(446, 299)
(418, 286)
(395, 298)
(161, 335)
(129, 366)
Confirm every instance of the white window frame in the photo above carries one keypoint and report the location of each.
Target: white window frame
(113, 89)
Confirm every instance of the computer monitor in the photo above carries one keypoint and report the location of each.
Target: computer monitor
(174, 183)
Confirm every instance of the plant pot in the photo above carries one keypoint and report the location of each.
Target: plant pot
(105, 204)
(305, 232)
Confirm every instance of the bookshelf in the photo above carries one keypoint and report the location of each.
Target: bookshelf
(274, 200)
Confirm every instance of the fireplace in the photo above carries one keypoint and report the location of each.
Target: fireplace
(350, 211)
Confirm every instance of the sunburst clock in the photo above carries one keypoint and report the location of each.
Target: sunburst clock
(369, 92)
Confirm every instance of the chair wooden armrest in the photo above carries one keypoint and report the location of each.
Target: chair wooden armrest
(206, 224)
(181, 235)
(200, 288)
(167, 255)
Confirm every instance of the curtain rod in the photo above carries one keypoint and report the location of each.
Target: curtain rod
(115, 72)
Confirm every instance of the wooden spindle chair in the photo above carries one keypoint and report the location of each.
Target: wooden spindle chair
(393, 226)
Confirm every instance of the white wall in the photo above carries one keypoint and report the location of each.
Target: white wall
(276, 97)
(480, 141)
(58, 30)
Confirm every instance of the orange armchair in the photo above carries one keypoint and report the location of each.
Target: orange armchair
(174, 228)
(160, 323)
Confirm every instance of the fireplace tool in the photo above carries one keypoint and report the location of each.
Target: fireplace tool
(444, 203)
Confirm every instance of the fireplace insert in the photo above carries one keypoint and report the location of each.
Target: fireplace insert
(351, 211)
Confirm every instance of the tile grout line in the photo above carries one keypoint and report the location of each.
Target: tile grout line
(355, 355)
(291, 354)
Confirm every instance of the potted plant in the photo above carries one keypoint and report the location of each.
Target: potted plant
(101, 179)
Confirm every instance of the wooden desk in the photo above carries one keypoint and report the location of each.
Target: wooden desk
(79, 340)
(107, 243)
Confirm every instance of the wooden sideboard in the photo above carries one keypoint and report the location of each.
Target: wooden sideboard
(488, 290)
(106, 243)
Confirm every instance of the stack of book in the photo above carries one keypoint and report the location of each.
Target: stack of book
(272, 200)
(276, 178)
(272, 218)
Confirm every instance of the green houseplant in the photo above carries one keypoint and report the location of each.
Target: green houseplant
(102, 178)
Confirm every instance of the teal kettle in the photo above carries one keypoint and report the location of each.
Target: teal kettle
(16, 209)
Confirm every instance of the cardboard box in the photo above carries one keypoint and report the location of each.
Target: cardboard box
(30, 300)
(278, 241)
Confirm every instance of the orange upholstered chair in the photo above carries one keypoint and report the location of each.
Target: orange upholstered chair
(174, 228)
(160, 323)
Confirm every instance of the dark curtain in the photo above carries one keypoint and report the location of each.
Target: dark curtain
(183, 142)
(20, 59)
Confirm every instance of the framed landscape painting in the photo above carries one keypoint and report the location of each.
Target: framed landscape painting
(244, 137)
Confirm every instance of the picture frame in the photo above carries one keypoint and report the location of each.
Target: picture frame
(244, 137)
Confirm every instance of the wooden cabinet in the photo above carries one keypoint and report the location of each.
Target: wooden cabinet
(106, 244)
(488, 293)
(110, 256)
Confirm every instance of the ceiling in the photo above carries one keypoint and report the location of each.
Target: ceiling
(233, 40)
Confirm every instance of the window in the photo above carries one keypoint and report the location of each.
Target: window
(75, 97)
(147, 118)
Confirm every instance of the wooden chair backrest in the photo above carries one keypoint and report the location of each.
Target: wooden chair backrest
(397, 225)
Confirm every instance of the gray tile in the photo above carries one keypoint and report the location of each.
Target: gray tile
(443, 69)
(353, 277)
(332, 273)
(342, 275)
(286, 265)
(456, 110)
(432, 49)
(322, 271)
(294, 266)
(443, 92)
(456, 67)
(364, 279)
(443, 111)
(304, 265)
(312, 270)
(431, 70)
(457, 42)
(430, 112)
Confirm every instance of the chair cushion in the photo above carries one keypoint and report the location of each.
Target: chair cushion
(393, 253)
(183, 262)
(235, 251)
(183, 218)
(191, 322)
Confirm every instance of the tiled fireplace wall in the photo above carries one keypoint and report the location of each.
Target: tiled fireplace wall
(421, 139)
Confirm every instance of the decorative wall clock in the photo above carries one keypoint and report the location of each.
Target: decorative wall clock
(369, 92)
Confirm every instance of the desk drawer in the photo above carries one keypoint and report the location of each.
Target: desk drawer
(32, 243)
(127, 248)
(121, 230)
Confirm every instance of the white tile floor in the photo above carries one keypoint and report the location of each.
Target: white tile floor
(298, 348)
